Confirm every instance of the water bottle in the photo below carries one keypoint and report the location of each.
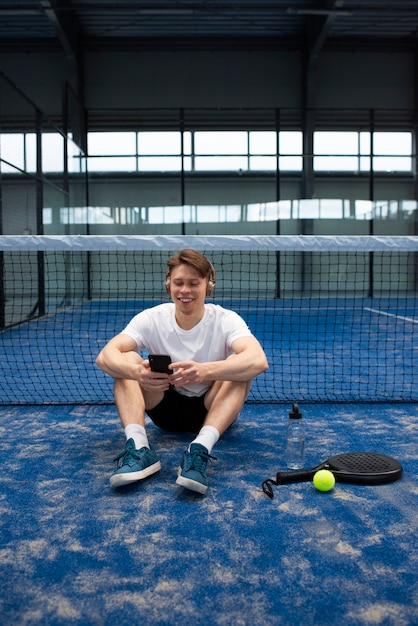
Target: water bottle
(295, 440)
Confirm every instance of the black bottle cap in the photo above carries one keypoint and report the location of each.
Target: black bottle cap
(295, 414)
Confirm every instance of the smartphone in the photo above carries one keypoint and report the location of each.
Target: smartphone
(159, 363)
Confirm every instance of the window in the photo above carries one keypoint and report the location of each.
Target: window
(353, 152)
(392, 152)
(220, 150)
(161, 151)
(336, 151)
(290, 150)
(111, 151)
(206, 151)
(18, 153)
(12, 152)
(263, 150)
(192, 214)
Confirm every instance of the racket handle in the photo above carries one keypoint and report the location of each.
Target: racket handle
(284, 478)
(298, 476)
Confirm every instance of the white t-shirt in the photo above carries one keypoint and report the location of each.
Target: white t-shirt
(156, 331)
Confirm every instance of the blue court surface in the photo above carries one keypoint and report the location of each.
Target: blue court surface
(75, 552)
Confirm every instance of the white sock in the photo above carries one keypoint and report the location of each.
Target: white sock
(138, 434)
(208, 437)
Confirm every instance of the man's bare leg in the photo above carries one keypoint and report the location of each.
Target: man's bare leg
(224, 402)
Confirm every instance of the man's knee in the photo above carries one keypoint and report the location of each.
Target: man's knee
(242, 386)
(125, 384)
(228, 389)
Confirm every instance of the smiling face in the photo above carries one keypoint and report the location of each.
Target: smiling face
(188, 292)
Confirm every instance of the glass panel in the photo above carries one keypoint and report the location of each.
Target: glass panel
(108, 143)
(46, 216)
(159, 143)
(221, 163)
(263, 163)
(220, 142)
(290, 163)
(336, 164)
(159, 164)
(330, 208)
(112, 164)
(76, 163)
(216, 214)
(392, 143)
(330, 143)
(392, 164)
(30, 142)
(263, 142)
(365, 145)
(365, 164)
(12, 150)
(86, 215)
(290, 142)
(52, 152)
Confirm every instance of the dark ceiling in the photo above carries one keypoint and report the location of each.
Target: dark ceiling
(76, 25)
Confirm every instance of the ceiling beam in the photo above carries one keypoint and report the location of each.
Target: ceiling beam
(319, 26)
(65, 25)
(67, 29)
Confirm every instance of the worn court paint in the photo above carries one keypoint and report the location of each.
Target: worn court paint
(73, 551)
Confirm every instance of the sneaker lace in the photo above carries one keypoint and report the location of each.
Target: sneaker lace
(198, 461)
(126, 457)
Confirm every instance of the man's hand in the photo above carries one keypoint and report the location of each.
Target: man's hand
(187, 373)
(152, 381)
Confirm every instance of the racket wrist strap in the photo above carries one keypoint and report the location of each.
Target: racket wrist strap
(267, 487)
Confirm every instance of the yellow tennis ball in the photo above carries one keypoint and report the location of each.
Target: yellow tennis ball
(324, 480)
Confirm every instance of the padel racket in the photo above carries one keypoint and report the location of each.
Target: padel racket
(361, 468)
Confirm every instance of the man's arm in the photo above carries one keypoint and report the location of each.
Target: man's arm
(119, 359)
(248, 361)
(113, 358)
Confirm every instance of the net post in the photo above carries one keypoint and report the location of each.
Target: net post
(278, 178)
(2, 285)
(39, 176)
(182, 173)
(277, 293)
(89, 286)
(39, 215)
(371, 263)
(306, 258)
(2, 294)
(371, 169)
(41, 283)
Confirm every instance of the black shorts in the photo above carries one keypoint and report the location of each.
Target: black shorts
(178, 413)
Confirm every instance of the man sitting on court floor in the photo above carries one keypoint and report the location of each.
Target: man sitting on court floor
(214, 359)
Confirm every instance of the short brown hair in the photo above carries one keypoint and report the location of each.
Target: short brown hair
(196, 260)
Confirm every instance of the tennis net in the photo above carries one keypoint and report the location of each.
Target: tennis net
(337, 316)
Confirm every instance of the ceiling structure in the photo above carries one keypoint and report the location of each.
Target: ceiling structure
(74, 25)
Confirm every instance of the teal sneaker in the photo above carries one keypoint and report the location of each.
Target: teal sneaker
(192, 471)
(134, 465)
